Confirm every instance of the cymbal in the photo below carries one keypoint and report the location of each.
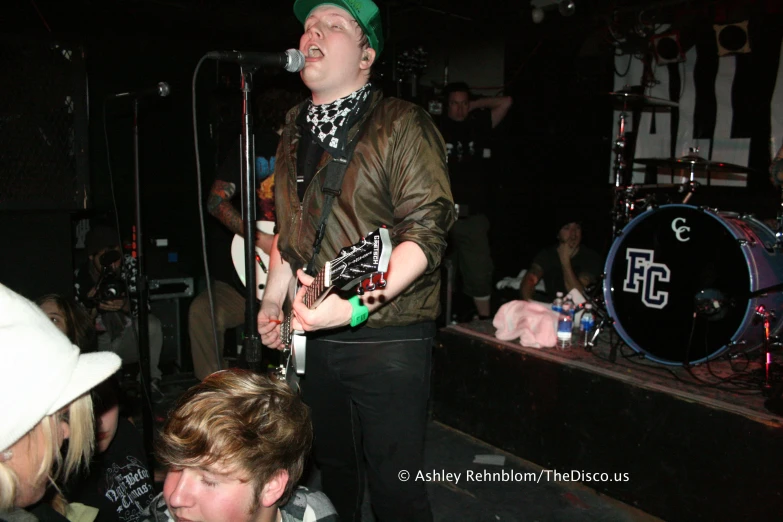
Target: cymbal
(697, 163)
(629, 100)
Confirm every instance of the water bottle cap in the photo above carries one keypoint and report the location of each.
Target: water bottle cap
(588, 306)
(559, 294)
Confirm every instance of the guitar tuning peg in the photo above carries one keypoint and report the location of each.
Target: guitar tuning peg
(370, 287)
(360, 290)
(382, 282)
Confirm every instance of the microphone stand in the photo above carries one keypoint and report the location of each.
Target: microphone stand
(143, 293)
(251, 344)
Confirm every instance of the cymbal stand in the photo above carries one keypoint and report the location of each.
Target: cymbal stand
(601, 313)
(690, 188)
(621, 210)
(779, 231)
(692, 184)
(762, 314)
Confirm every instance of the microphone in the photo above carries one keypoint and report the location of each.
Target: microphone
(292, 60)
(162, 89)
(711, 304)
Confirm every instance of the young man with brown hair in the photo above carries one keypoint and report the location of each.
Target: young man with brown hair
(235, 445)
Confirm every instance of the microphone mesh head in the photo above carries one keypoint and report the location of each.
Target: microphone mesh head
(164, 89)
(296, 60)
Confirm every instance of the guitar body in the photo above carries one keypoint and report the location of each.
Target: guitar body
(262, 259)
(364, 264)
(294, 353)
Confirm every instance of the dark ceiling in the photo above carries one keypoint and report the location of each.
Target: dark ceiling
(273, 20)
(260, 25)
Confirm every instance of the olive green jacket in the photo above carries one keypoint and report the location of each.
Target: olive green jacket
(397, 177)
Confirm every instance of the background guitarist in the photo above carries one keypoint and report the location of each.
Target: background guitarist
(228, 291)
(368, 358)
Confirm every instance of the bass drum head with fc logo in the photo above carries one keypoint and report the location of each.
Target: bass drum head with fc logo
(678, 279)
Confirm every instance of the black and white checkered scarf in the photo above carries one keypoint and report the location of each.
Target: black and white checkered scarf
(329, 123)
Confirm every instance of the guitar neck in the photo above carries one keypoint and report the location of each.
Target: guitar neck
(317, 291)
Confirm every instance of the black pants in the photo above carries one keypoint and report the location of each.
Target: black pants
(369, 411)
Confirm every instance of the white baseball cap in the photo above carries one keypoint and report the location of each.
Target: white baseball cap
(40, 370)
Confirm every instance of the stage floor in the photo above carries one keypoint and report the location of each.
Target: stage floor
(733, 385)
(692, 444)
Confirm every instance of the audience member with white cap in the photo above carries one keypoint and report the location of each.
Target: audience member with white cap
(44, 399)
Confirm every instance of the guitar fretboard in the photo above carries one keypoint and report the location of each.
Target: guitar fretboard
(315, 290)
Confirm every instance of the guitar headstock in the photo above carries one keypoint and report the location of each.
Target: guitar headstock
(366, 260)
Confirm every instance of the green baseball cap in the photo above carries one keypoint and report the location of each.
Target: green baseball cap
(365, 12)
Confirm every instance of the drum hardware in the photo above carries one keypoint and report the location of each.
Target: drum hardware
(763, 315)
(765, 291)
(779, 231)
(620, 210)
(681, 286)
(711, 304)
(599, 310)
(604, 319)
(626, 100)
(693, 164)
(689, 188)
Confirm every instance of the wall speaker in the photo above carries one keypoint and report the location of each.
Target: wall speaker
(732, 38)
(43, 135)
(667, 48)
(169, 312)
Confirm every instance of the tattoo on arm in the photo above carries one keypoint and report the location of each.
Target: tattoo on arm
(529, 282)
(536, 271)
(219, 205)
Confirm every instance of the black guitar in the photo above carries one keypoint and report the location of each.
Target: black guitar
(363, 264)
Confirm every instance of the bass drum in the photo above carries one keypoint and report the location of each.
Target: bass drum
(682, 283)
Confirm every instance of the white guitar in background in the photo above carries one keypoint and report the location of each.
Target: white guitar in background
(262, 258)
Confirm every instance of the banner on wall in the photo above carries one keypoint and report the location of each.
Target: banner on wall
(727, 106)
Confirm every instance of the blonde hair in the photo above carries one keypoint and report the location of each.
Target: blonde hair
(249, 422)
(79, 417)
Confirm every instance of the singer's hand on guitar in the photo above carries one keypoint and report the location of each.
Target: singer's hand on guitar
(269, 318)
(333, 312)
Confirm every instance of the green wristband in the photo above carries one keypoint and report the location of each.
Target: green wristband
(360, 312)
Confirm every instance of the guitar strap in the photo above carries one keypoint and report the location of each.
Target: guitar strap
(335, 172)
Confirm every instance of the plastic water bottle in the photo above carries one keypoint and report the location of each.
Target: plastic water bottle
(565, 324)
(557, 304)
(586, 325)
(571, 305)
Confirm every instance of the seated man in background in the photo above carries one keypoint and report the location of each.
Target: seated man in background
(565, 266)
(235, 446)
(104, 285)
